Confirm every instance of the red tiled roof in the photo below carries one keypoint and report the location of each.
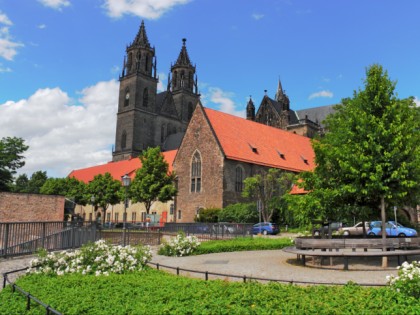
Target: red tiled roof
(117, 169)
(248, 141)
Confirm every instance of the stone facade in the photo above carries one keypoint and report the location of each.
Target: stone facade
(199, 138)
(18, 207)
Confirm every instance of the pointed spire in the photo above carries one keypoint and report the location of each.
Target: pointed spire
(141, 37)
(280, 92)
(250, 110)
(183, 58)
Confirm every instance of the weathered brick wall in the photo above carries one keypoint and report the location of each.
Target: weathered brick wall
(16, 207)
(199, 136)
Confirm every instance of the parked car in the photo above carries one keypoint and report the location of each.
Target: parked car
(323, 228)
(128, 225)
(224, 227)
(355, 230)
(265, 228)
(392, 228)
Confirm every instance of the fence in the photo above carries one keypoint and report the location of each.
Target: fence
(21, 238)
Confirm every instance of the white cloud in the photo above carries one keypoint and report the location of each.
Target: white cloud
(8, 48)
(62, 135)
(162, 84)
(150, 9)
(417, 101)
(42, 26)
(224, 101)
(323, 93)
(55, 4)
(4, 69)
(257, 16)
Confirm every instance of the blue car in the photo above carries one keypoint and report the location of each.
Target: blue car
(265, 228)
(392, 229)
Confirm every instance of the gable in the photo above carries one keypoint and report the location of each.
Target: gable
(167, 105)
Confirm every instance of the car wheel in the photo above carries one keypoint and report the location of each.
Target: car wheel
(265, 232)
(316, 233)
(346, 233)
(401, 235)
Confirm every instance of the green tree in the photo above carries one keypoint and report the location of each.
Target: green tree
(208, 215)
(371, 153)
(21, 184)
(153, 182)
(11, 159)
(71, 188)
(265, 187)
(240, 213)
(106, 191)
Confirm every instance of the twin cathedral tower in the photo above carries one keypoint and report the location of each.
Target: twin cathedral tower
(147, 118)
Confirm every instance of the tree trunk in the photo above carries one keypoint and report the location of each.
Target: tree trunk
(383, 218)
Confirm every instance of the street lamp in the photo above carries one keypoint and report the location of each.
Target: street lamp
(126, 181)
(92, 200)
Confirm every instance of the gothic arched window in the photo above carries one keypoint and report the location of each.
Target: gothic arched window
(127, 97)
(124, 140)
(146, 63)
(239, 179)
(175, 79)
(196, 173)
(190, 110)
(145, 97)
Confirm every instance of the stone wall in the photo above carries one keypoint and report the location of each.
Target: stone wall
(199, 137)
(17, 207)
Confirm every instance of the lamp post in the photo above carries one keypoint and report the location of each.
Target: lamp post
(126, 181)
(92, 200)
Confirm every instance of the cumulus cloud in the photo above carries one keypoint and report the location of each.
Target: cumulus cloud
(323, 93)
(417, 101)
(63, 134)
(149, 9)
(8, 48)
(162, 84)
(55, 4)
(224, 101)
(257, 16)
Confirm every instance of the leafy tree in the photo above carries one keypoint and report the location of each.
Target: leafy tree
(106, 191)
(21, 184)
(11, 159)
(71, 188)
(153, 182)
(240, 213)
(209, 215)
(264, 187)
(371, 154)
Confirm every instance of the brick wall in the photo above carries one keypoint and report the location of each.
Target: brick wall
(16, 207)
(199, 136)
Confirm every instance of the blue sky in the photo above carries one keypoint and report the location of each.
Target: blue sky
(60, 60)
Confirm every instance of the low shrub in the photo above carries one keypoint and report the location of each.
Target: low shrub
(408, 280)
(97, 258)
(180, 245)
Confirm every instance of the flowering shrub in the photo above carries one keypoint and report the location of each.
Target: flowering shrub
(180, 245)
(408, 279)
(97, 258)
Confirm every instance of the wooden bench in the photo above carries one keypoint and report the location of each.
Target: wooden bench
(400, 247)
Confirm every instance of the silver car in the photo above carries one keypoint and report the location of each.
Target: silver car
(355, 230)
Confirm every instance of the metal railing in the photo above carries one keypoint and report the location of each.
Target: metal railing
(22, 238)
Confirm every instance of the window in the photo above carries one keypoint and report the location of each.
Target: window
(196, 173)
(133, 217)
(171, 209)
(127, 97)
(179, 214)
(146, 63)
(124, 140)
(145, 97)
(143, 216)
(239, 179)
(116, 217)
(90, 216)
(108, 217)
(190, 110)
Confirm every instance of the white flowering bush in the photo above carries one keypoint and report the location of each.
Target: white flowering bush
(408, 279)
(97, 258)
(180, 245)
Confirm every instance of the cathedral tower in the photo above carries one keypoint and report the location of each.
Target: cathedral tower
(136, 102)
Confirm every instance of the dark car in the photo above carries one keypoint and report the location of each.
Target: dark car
(265, 228)
(324, 228)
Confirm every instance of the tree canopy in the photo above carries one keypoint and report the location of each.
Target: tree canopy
(11, 159)
(69, 187)
(370, 156)
(153, 182)
(32, 185)
(268, 187)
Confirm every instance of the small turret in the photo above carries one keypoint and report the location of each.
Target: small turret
(250, 110)
(183, 72)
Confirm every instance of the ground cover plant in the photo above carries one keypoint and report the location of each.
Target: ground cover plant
(158, 292)
(408, 279)
(179, 245)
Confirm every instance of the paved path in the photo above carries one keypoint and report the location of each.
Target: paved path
(274, 264)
